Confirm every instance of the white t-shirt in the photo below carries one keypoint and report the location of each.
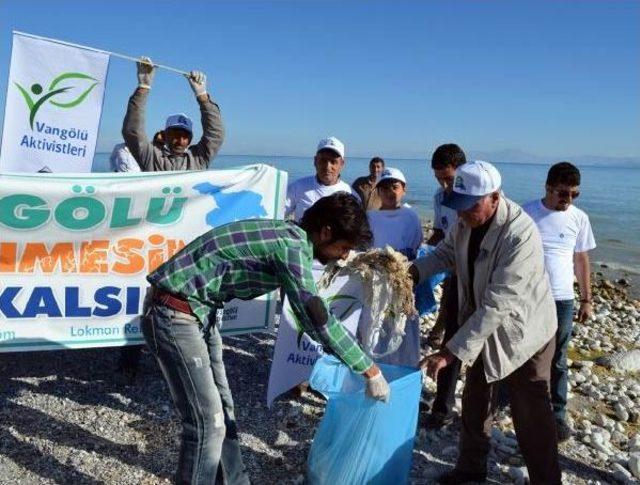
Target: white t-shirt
(563, 234)
(122, 160)
(399, 228)
(304, 192)
(444, 218)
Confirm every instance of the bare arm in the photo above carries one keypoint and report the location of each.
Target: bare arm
(582, 269)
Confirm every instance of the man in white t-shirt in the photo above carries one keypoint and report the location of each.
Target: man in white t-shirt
(304, 192)
(444, 162)
(567, 239)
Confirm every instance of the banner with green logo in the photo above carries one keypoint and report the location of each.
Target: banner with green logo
(53, 106)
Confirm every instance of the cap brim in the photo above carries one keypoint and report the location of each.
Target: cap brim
(460, 202)
(179, 127)
(331, 149)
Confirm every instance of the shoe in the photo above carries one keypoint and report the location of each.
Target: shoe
(563, 430)
(438, 420)
(456, 477)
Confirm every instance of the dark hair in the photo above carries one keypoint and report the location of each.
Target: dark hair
(344, 214)
(447, 155)
(375, 160)
(563, 173)
(158, 137)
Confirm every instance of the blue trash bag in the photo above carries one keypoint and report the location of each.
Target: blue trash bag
(360, 440)
(425, 301)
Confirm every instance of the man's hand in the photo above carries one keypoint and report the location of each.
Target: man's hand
(585, 311)
(145, 72)
(435, 362)
(376, 385)
(198, 82)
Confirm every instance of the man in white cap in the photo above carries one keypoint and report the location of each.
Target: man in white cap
(304, 192)
(506, 320)
(177, 153)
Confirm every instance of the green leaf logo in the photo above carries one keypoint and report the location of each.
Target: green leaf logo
(34, 103)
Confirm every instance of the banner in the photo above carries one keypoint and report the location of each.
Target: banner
(53, 106)
(295, 353)
(75, 250)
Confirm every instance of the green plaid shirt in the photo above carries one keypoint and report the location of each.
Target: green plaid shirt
(246, 259)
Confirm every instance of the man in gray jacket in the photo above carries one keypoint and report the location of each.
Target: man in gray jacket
(176, 154)
(169, 151)
(507, 323)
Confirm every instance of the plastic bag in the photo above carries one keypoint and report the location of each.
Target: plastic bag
(425, 301)
(359, 440)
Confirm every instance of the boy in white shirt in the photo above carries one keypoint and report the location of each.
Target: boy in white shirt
(395, 224)
(398, 226)
(566, 239)
(306, 191)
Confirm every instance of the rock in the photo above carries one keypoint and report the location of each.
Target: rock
(621, 412)
(621, 473)
(628, 361)
(634, 444)
(634, 464)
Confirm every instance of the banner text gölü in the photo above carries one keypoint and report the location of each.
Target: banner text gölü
(75, 250)
(53, 106)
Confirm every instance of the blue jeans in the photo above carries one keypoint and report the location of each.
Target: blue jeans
(191, 362)
(559, 368)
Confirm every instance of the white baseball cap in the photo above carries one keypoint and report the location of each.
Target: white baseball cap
(390, 173)
(331, 143)
(473, 181)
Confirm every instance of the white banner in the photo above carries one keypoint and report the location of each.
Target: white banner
(75, 250)
(53, 106)
(295, 353)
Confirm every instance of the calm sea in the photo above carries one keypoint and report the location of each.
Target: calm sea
(610, 195)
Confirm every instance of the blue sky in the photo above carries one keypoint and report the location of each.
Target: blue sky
(394, 78)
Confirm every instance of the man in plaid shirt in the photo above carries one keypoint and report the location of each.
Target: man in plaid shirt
(244, 259)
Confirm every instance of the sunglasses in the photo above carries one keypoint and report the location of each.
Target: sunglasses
(574, 194)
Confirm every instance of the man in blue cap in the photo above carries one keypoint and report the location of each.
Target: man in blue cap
(172, 152)
(506, 323)
(177, 153)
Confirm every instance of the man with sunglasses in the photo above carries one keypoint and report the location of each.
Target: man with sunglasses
(567, 239)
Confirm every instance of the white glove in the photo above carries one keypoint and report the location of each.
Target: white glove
(198, 82)
(377, 387)
(145, 72)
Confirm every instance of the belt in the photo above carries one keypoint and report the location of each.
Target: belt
(174, 302)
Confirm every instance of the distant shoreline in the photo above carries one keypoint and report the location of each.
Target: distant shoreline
(610, 162)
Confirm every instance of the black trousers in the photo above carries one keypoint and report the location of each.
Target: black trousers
(448, 377)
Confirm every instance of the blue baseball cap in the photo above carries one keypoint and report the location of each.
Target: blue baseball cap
(472, 182)
(180, 121)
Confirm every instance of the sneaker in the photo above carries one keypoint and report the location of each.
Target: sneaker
(437, 420)
(455, 477)
(563, 430)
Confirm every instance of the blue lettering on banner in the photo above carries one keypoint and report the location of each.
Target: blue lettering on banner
(61, 145)
(107, 301)
(296, 358)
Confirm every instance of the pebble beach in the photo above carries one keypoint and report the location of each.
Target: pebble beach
(66, 417)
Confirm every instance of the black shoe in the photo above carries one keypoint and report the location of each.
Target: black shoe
(455, 477)
(563, 430)
(437, 420)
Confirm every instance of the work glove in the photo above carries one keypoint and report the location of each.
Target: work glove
(198, 82)
(145, 72)
(377, 387)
